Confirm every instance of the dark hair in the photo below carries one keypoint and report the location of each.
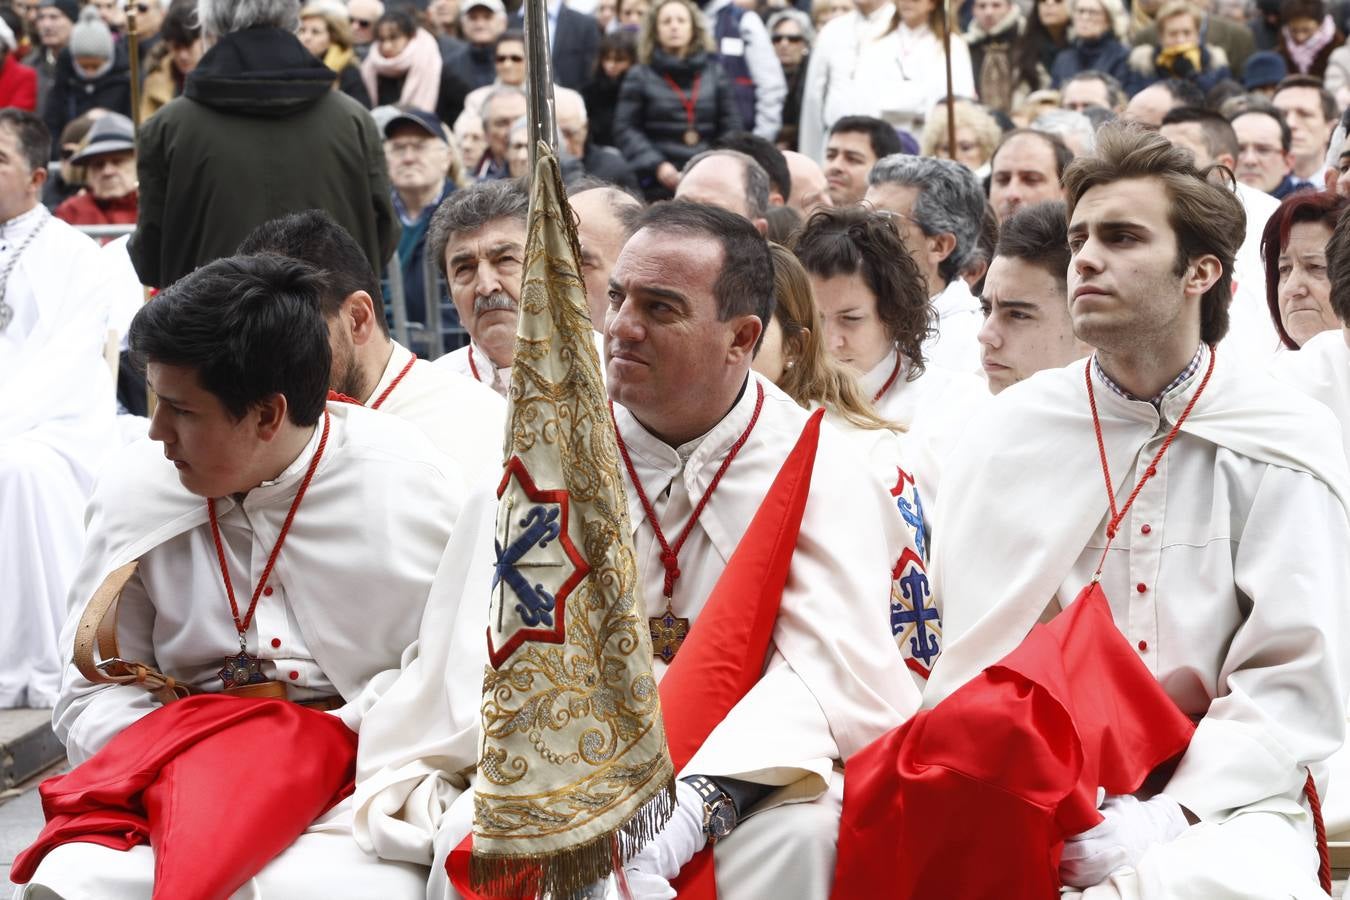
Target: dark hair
(511, 35)
(180, 27)
(469, 209)
(1302, 9)
(854, 240)
(617, 43)
(316, 239)
(745, 284)
(756, 179)
(1218, 131)
(1266, 109)
(783, 223)
(1329, 108)
(401, 18)
(1027, 48)
(1115, 92)
(881, 134)
(1338, 268)
(1063, 155)
(1185, 93)
(250, 326)
(1223, 91)
(1303, 206)
(762, 151)
(35, 141)
(1038, 234)
(1207, 218)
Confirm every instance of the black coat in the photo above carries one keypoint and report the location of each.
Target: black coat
(449, 99)
(473, 65)
(575, 47)
(353, 85)
(650, 121)
(258, 133)
(601, 96)
(72, 96)
(608, 164)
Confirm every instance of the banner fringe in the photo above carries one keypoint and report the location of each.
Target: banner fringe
(560, 875)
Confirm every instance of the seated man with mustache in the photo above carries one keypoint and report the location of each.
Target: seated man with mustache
(478, 239)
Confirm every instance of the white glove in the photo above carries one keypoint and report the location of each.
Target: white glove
(649, 872)
(1120, 840)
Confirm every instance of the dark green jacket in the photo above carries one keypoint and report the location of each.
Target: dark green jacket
(258, 133)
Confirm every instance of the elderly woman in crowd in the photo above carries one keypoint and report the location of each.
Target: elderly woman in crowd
(792, 34)
(404, 68)
(510, 64)
(1294, 247)
(676, 102)
(326, 31)
(977, 134)
(1308, 37)
(1099, 34)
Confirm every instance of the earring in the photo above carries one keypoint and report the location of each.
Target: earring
(789, 364)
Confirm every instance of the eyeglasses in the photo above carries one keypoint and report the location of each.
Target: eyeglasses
(1258, 149)
(790, 38)
(510, 57)
(396, 148)
(1084, 12)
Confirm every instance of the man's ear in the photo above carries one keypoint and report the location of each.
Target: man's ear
(744, 337)
(359, 310)
(1204, 273)
(941, 246)
(271, 412)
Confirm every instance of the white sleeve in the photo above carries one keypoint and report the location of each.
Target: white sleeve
(812, 127)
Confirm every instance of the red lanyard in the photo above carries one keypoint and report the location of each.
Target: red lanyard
(384, 395)
(241, 625)
(688, 102)
(889, 381)
(670, 553)
(1117, 516)
(473, 366)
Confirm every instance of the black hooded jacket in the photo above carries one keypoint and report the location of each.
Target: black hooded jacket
(258, 133)
(71, 95)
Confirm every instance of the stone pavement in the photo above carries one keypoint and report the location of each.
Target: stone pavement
(20, 822)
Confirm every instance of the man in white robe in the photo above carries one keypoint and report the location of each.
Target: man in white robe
(56, 413)
(336, 598)
(462, 418)
(478, 239)
(679, 373)
(1214, 575)
(939, 207)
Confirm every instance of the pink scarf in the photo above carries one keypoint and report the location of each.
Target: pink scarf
(420, 61)
(1303, 55)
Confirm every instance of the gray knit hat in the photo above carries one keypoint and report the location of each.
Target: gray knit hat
(90, 36)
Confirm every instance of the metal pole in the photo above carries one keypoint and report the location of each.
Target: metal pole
(539, 80)
(947, 58)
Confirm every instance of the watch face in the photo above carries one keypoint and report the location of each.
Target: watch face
(722, 820)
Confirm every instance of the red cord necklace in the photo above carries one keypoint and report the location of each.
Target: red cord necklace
(397, 378)
(473, 366)
(1117, 516)
(890, 381)
(246, 668)
(665, 626)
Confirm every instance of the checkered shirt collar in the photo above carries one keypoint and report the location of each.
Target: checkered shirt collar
(1156, 400)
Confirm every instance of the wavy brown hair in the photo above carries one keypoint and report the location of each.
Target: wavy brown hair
(700, 37)
(855, 240)
(814, 376)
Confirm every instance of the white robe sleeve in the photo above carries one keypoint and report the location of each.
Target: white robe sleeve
(767, 73)
(812, 127)
(1282, 684)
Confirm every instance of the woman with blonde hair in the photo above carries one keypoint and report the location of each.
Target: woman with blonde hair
(676, 101)
(1100, 29)
(794, 357)
(977, 135)
(326, 31)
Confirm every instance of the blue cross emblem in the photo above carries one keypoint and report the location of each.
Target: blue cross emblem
(923, 644)
(536, 603)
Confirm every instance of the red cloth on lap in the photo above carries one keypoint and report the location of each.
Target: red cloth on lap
(217, 785)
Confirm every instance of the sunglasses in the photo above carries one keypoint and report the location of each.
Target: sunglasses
(510, 57)
(790, 38)
(143, 8)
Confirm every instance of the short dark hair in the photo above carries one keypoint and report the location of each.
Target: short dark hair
(1267, 109)
(881, 134)
(1185, 93)
(401, 18)
(756, 179)
(762, 151)
(180, 28)
(783, 223)
(510, 36)
(472, 207)
(745, 284)
(1115, 92)
(1329, 108)
(1302, 9)
(1338, 268)
(1063, 155)
(1038, 234)
(1207, 218)
(35, 141)
(1300, 207)
(855, 240)
(1218, 131)
(250, 326)
(316, 239)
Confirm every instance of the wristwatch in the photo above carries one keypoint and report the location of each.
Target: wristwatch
(719, 811)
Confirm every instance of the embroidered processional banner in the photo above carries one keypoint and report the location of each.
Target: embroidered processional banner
(573, 752)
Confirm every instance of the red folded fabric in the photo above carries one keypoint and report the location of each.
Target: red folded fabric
(975, 797)
(217, 785)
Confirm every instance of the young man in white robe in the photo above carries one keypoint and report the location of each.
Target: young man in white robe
(243, 445)
(56, 414)
(688, 297)
(477, 237)
(1226, 570)
(462, 418)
